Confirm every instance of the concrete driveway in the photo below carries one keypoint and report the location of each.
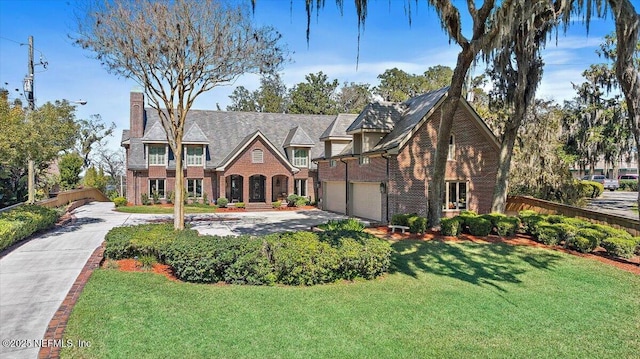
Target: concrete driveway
(36, 277)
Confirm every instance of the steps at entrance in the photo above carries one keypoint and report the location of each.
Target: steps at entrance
(258, 206)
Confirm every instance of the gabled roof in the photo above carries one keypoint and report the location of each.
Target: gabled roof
(338, 127)
(237, 151)
(125, 137)
(380, 116)
(416, 109)
(225, 131)
(194, 135)
(297, 137)
(155, 134)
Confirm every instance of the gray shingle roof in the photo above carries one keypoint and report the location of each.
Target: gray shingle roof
(377, 116)
(338, 128)
(154, 133)
(414, 110)
(125, 136)
(297, 137)
(227, 130)
(195, 135)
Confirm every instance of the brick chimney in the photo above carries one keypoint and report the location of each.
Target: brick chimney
(136, 115)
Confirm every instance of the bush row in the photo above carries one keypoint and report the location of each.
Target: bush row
(350, 224)
(579, 234)
(19, 223)
(296, 258)
(480, 225)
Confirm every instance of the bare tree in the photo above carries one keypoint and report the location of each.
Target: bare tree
(177, 50)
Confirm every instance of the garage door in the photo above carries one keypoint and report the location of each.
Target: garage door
(334, 196)
(367, 200)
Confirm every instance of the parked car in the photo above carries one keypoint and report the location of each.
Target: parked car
(610, 184)
(628, 177)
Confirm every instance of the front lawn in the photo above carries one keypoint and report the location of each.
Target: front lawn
(165, 209)
(441, 299)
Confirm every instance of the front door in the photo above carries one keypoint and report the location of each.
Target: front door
(256, 188)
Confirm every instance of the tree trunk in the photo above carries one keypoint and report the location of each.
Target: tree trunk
(449, 108)
(178, 204)
(499, 201)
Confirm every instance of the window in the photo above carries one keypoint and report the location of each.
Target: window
(257, 156)
(194, 155)
(301, 187)
(156, 185)
(456, 196)
(363, 160)
(194, 188)
(452, 149)
(157, 155)
(300, 158)
(333, 163)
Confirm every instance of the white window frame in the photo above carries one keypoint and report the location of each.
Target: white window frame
(257, 156)
(300, 160)
(157, 181)
(300, 186)
(451, 155)
(194, 159)
(192, 183)
(156, 159)
(459, 203)
(364, 160)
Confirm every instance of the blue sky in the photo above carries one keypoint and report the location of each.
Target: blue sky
(387, 41)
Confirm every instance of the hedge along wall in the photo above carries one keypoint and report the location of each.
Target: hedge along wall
(519, 203)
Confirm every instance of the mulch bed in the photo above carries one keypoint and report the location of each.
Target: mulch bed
(132, 265)
(630, 265)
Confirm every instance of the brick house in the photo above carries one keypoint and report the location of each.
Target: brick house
(380, 163)
(254, 158)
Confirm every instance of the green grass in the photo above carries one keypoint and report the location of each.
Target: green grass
(164, 210)
(441, 300)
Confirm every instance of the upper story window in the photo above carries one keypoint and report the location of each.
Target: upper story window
(301, 157)
(333, 163)
(257, 156)
(363, 160)
(195, 155)
(451, 155)
(158, 155)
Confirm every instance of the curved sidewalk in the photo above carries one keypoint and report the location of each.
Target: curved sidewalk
(36, 277)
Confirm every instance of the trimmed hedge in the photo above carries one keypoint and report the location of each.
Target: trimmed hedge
(296, 258)
(479, 226)
(451, 226)
(415, 223)
(21, 222)
(120, 201)
(620, 247)
(628, 185)
(592, 189)
(350, 224)
(586, 240)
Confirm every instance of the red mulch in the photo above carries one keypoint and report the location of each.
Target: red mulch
(630, 265)
(131, 265)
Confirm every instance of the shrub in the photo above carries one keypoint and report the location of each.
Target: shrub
(596, 188)
(451, 226)
(417, 224)
(276, 204)
(147, 261)
(530, 219)
(120, 201)
(156, 197)
(548, 233)
(566, 231)
(629, 185)
(507, 226)
(361, 254)
(464, 217)
(554, 218)
(145, 199)
(140, 240)
(240, 205)
(170, 197)
(479, 226)
(21, 222)
(297, 201)
(494, 218)
(586, 240)
(576, 222)
(608, 231)
(205, 198)
(350, 224)
(401, 219)
(222, 202)
(620, 246)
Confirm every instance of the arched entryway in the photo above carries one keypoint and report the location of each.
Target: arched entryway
(234, 188)
(279, 187)
(257, 184)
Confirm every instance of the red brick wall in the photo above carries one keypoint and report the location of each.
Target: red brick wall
(136, 114)
(410, 171)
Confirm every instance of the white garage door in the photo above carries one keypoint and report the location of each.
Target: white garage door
(366, 200)
(334, 196)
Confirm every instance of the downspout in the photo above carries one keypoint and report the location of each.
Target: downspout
(346, 186)
(386, 191)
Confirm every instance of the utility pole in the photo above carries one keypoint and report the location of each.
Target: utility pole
(29, 93)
